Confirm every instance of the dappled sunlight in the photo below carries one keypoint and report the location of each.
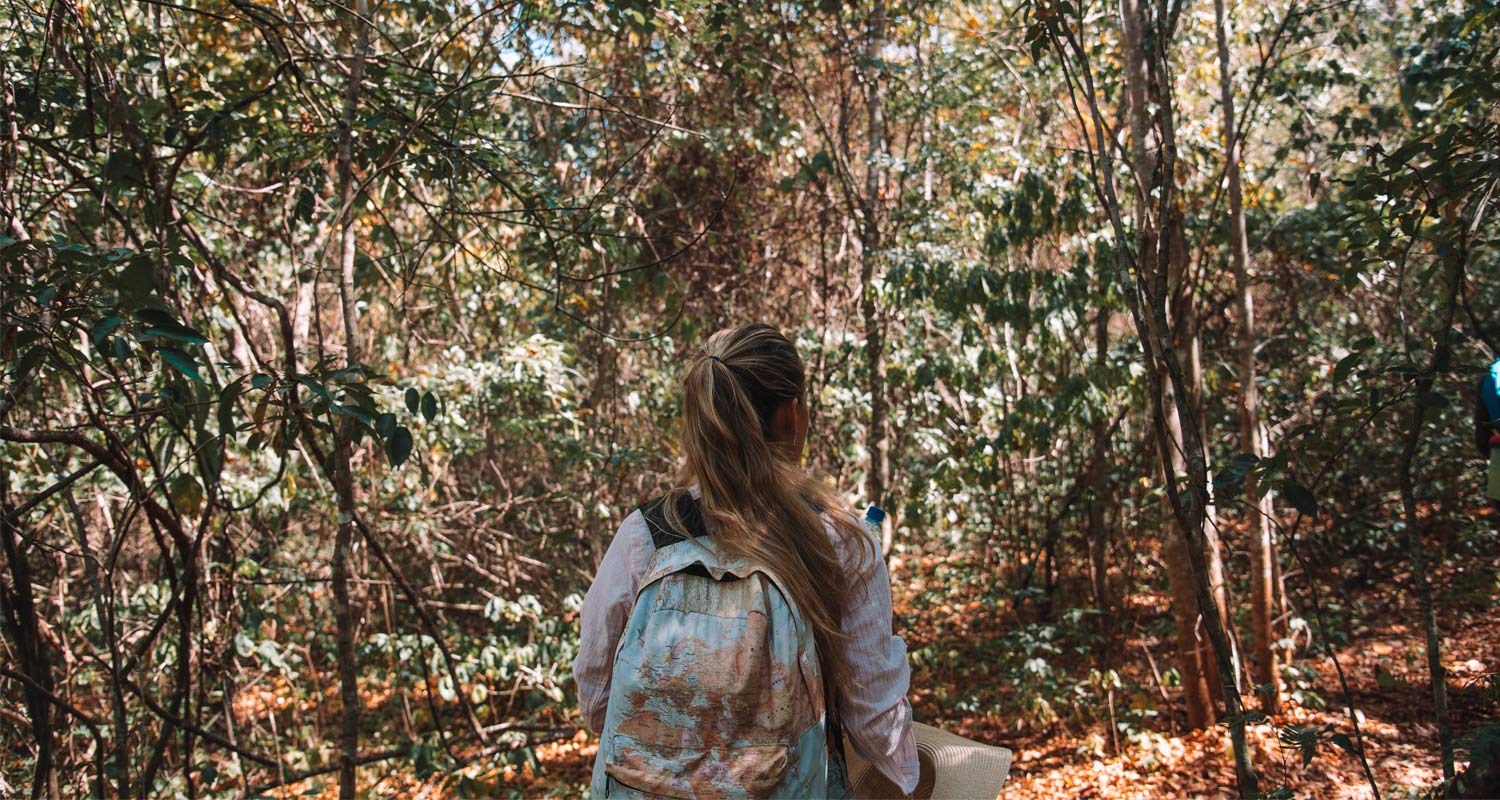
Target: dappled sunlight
(347, 347)
(1076, 757)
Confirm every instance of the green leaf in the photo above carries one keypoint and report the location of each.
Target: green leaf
(315, 387)
(1432, 400)
(385, 425)
(413, 398)
(122, 167)
(100, 331)
(429, 406)
(137, 279)
(182, 362)
(1347, 365)
(1231, 480)
(1384, 678)
(227, 399)
(352, 411)
(160, 323)
(186, 495)
(213, 457)
(1300, 497)
(30, 361)
(398, 445)
(1305, 739)
(307, 204)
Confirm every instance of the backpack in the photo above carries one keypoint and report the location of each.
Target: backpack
(716, 690)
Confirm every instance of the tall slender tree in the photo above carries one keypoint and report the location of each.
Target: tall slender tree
(1145, 277)
(1156, 232)
(343, 449)
(1258, 524)
(877, 435)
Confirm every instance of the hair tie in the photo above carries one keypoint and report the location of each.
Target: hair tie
(720, 360)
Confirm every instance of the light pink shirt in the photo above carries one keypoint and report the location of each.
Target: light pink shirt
(876, 715)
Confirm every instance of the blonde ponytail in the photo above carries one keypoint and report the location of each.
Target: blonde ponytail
(758, 502)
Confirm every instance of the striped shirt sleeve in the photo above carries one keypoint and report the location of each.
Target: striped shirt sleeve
(606, 610)
(876, 715)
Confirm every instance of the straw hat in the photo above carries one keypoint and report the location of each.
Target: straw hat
(952, 768)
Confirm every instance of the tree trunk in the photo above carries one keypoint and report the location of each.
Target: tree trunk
(1183, 318)
(1191, 507)
(1193, 659)
(1202, 695)
(1146, 282)
(1098, 475)
(18, 613)
(1145, 293)
(1441, 357)
(343, 477)
(1258, 529)
(876, 436)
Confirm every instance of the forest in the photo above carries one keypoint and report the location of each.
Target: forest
(339, 337)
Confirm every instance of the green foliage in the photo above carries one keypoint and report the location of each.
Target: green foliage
(552, 204)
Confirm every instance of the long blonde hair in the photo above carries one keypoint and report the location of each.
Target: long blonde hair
(757, 500)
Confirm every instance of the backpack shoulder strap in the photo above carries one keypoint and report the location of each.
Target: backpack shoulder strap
(689, 510)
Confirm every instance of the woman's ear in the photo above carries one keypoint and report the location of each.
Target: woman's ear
(783, 427)
(788, 427)
(804, 420)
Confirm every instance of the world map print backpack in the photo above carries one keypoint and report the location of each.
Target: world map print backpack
(716, 690)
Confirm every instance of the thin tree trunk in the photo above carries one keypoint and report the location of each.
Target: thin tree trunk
(18, 612)
(18, 615)
(104, 618)
(302, 306)
(1441, 357)
(1258, 531)
(1147, 289)
(343, 478)
(1193, 657)
(877, 437)
(1184, 318)
(1192, 661)
(927, 118)
(1202, 695)
(1145, 297)
(1191, 507)
(1098, 535)
(13, 224)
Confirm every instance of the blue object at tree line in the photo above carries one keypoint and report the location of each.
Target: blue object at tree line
(1489, 391)
(874, 515)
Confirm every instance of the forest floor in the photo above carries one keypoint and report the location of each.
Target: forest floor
(1402, 742)
(975, 656)
(1073, 753)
